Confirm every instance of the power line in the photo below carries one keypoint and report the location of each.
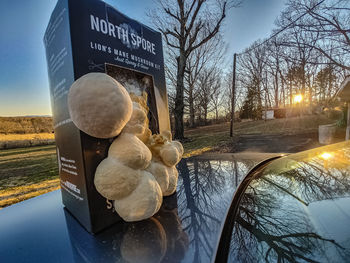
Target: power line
(281, 30)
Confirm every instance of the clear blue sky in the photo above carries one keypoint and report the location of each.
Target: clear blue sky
(23, 75)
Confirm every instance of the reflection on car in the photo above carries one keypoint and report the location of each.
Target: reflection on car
(228, 207)
(296, 209)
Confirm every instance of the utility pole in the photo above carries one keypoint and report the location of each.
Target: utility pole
(347, 135)
(233, 94)
(266, 91)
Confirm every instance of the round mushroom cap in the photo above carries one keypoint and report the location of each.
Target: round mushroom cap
(138, 121)
(113, 180)
(155, 143)
(143, 202)
(144, 137)
(131, 151)
(160, 173)
(144, 242)
(167, 135)
(173, 176)
(99, 105)
(169, 154)
(178, 146)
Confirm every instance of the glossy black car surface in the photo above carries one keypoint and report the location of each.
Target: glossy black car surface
(294, 208)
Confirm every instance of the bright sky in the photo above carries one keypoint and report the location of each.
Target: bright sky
(24, 86)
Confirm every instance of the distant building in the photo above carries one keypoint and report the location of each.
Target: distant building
(274, 113)
(268, 114)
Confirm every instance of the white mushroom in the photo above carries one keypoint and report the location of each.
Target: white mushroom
(169, 154)
(138, 121)
(99, 105)
(160, 173)
(167, 134)
(173, 176)
(145, 136)
(179, 147)
(155, 143)
(131, 151)
(134, 175)
(143, 202)
(113, 180)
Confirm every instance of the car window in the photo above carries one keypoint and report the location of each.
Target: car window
(296, 209)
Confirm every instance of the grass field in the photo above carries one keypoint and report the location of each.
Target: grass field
(29, 136)
(216, 137)
(28, 172)
(11, 141)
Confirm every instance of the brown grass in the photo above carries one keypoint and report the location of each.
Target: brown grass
(17, 194)
(29, 136)
(27, 172)
(10, 141)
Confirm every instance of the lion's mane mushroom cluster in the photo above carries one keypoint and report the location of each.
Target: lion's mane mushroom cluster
(140, 167)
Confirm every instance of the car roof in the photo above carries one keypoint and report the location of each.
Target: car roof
(186, 229)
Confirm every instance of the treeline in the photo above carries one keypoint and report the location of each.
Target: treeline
(206, 85)
(24, 125)
(308, 53)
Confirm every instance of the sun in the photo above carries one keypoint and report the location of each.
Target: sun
(298, 98)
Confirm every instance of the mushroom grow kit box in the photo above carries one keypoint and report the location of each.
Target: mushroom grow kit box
(86, 36)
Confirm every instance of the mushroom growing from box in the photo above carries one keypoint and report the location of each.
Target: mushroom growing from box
(75, 46)
(133, 175)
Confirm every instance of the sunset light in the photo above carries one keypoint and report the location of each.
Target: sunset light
(326, 155)
(298, 98)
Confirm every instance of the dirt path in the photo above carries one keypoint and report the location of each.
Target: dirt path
(279, 143)
(275, 143)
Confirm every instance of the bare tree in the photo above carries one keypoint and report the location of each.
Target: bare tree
(308, 53)
(329, 26)
(187, 25)
(211, 53)
(208, 85)
(274, 62)
(217, 96)
(252, 68)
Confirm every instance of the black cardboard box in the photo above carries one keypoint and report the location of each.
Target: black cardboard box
(90, 36)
